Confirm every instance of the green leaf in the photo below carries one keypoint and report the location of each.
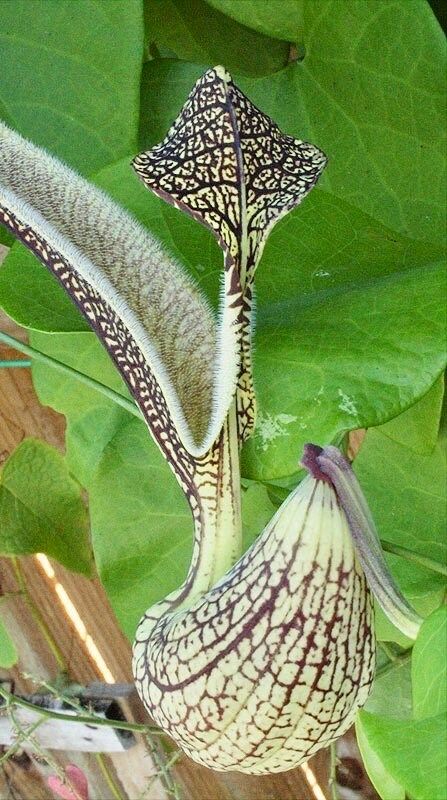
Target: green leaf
(333, 363)
(88, 432)
(418, 427)
(141, 524)
(195, 31)
(412, 751)
(406, 494)
(8, 652)
(282, 19)
(70, 76)
(92, 419)
(31, 296)
(387, 787)
(370, 93)
(391, 693)
(41, 508)
(429, 667)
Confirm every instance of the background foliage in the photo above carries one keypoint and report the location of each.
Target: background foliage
(350, 323)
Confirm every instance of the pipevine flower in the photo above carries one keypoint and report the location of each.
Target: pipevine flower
(258, 660)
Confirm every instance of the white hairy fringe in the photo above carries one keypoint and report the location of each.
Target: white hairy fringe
(127, 266)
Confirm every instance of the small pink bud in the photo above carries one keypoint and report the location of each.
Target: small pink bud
(75, 787)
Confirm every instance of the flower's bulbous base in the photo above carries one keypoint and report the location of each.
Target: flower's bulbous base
(272, 664)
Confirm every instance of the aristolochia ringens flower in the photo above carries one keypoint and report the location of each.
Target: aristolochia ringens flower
(252, 664)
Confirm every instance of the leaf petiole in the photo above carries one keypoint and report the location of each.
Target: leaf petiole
(90, 719)
(410, 555)
(14, 362)
(115, 397)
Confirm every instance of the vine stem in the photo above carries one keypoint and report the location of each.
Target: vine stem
(21, 737)
(105, 771)
(116, 690)
(163, 768)
(27, 735)
(115, 397)
(15, 362)
(57, 653)
(89, 719)
(333, 772)
(429, 563)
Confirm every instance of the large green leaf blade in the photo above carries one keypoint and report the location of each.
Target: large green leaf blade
(92, 418)
(41, 508)
(412, 751)
(429, 666)
(387, 787)
(407, 495)
(386, 91)
(283, 19)
(195, 31)
(141, 525)
(66, 83)
(8, 651)
(343, 361)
